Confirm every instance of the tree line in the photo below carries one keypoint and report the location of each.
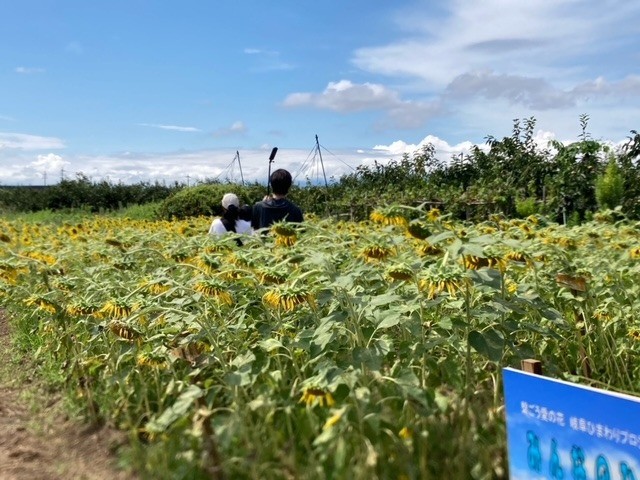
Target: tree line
(513, 176)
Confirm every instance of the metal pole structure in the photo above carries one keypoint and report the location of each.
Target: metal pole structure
(240, 165)
(271, 157)
(322, 163)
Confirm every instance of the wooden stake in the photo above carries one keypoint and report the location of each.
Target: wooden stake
(531, 366)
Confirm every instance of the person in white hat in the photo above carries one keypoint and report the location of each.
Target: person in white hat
(230, 220)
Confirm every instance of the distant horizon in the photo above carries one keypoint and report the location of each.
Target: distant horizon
(256, 170)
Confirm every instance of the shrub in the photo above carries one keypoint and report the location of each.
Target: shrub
(526, 207)
(610, 186)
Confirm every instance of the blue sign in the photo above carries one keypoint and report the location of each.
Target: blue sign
(560, 431)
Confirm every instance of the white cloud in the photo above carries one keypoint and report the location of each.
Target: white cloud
(348, 97)
(171, 127)
(513, 37)
(236, 128)
(49, 162)
(516, 59)
(24, 141)
(537, 93)
(267, 60)
(28, 70)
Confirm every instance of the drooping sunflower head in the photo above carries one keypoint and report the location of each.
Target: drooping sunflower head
(217, 248)
(214, 288)
(400, 272)
(434, 214)
(123, 330)
(116, 308)
(82, 307)
(439, 279)
(312, 396)
(288, 298)
(473, 262)
(390, 215)
(41, 303)
(418, 229)
(208, 262)
(271, 275)
(285, 229)
(114, 242)
(285, 240)
(516, 256)
(376, 251)
(151, 360)
(41, 257)
(426, 249)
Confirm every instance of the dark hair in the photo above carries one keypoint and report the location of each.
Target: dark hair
(229, 218)
(281, 181)
(246, 213)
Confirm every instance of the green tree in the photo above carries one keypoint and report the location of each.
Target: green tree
(610, 186)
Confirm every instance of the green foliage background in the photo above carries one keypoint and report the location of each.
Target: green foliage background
(559, 181)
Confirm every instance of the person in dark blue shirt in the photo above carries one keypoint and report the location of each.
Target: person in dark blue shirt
(276, 207)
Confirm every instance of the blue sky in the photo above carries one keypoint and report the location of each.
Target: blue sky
(161, 90)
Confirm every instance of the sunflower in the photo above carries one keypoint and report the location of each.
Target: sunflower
(388, 216)
(418, 229)
(8, 273)
(433, 214)
(400, 272)
(217, 248)
(448, 280)
(285, 240)
(208, 263)
(515, 256)
(567, 243)
(487, 229)
(283, 229)
(425, 249)
(473, 262)
(213, 288)
(405, 433)
(634, 333)
(152, 360)
(114, 242)
(42, 257)
(511, 286)
(81, 307)
(5, 238)
(116, 308)
(333, 419)
(156, 287)
(124, 331)
(635, 253)
(41, 303)
(271, 276)
(288, 298)
(376, 252)
(312, 396)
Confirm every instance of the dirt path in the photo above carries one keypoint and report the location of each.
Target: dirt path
(37, 441)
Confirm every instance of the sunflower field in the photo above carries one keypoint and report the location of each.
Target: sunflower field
(322, 350)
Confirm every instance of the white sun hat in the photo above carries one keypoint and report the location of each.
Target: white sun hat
(230, 199)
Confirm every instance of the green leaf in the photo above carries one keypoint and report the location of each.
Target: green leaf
(434, 239)
(243, 359)
(391, 320)
(489, 343)
(180, 407)
(270, 344)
